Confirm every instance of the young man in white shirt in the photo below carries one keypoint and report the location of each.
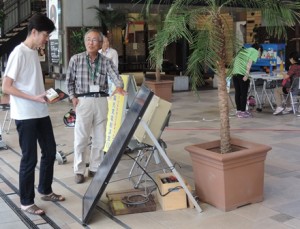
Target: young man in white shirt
(23, 81)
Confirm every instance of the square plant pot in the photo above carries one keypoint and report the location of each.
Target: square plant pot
(228, 181)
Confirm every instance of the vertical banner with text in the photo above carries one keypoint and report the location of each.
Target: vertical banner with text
(116, 113)
(54, 38)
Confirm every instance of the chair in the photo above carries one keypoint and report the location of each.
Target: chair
(267, 91)
(292, 95)
(256, 83)
(5, 106)
(145, 153)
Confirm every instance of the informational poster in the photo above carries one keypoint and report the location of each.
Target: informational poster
(54, 51)
(117, 105)
(116, 112)
(53, 14)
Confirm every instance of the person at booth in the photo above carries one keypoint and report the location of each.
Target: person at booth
(23, 81)
(87, 85)
(109, 52)
(240, 77)
(112, 54)
(279, 92)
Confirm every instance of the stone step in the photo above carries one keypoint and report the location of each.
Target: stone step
(19, 28)
(11, 34)
(4, 39)
(24, 24)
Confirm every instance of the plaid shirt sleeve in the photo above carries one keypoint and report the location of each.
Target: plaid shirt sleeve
(112, 71)
(70, 77)
(294, 71)
(108, 69)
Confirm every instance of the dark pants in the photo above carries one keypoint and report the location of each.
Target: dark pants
(30, 132)
(241, 91)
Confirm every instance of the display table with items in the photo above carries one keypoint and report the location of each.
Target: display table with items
(268, 82)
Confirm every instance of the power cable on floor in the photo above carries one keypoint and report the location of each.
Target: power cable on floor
(157, 187)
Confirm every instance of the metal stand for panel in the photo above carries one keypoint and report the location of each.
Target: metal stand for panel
(169, 163)
(2, 143)
(146, 153)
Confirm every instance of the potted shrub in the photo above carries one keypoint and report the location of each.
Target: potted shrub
(161, 87)
(76, 39)
(202, 25)
(110, 19)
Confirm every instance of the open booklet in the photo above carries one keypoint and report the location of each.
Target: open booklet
(55, 95)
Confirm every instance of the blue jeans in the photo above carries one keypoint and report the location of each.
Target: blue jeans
(30, 132)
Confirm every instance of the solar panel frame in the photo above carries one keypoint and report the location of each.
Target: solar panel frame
(115, 152)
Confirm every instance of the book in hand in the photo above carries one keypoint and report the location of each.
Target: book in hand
(55, 95)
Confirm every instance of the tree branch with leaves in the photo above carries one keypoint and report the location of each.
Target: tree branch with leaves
(202, 25)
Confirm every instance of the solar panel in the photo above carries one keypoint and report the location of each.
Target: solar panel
(115, 152)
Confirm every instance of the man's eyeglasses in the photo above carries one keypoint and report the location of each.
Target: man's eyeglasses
(92, 41)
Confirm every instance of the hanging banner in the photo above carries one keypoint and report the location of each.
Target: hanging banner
(54, 38)
(116, 113)
(53, 15)
(117, 106)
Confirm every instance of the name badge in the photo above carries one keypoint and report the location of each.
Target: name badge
(94, 88)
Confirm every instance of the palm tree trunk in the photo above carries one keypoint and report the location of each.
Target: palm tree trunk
(224, 111)
(222, 92)
(157, 74)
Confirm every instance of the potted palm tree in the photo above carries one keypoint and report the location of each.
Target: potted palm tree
(111, 21)
(161, 87)
(216, 165)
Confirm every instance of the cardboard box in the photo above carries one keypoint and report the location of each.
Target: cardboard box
(176, 199)
(155, 116)
(118, 207)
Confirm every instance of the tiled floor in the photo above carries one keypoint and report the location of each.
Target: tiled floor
(193, 120)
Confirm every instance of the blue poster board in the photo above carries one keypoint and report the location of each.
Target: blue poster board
(272, 56)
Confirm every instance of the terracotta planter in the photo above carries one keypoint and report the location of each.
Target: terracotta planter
(162, 89)
(228, 181)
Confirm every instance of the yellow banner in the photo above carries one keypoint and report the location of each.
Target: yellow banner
(116, 113)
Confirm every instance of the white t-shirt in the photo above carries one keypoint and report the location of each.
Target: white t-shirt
(111, 54)
(24, 68)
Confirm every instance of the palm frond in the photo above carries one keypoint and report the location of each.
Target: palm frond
(211, 43)
(175, 27)
(279, 15)
(112, 18)
(206, 41)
